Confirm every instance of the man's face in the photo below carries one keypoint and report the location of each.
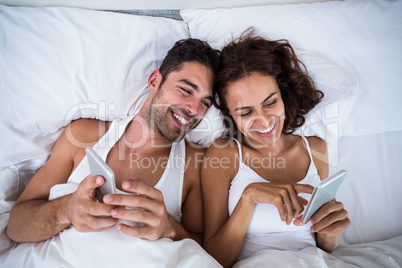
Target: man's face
(181, 102)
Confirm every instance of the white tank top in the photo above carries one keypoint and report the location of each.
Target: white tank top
(266, 230)
(170, 184)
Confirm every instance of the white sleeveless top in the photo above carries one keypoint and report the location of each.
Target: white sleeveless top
(266, 230)
(170, 184)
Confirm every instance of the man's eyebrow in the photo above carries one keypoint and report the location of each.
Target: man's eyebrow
(267, 98)
(188, 83)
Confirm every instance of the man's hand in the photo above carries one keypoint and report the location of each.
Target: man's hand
(150, 210)
(84, 213)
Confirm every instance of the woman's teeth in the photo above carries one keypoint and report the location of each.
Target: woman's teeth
(266, 130)
(181, 120)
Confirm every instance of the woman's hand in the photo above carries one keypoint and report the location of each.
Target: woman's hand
(329, 222)
(283, 196)
(331, 219)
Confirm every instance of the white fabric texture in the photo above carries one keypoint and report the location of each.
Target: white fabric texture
(109, 248)
(371, 190)
(362, 36)
(10, 188)
(368, 255)
(59, 64)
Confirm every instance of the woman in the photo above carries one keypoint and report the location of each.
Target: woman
(251, 184)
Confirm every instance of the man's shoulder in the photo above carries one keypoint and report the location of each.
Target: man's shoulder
(86, 131)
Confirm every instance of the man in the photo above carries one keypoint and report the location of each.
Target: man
(169, 203)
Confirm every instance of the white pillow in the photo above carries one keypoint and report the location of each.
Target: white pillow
(60, 64)
(364, 37)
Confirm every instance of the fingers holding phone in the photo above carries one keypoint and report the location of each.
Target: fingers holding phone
(150, 211)
(331, 219)
(85, 214)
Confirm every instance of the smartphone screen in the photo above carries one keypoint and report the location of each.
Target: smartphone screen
(323, 194)
(98, 167)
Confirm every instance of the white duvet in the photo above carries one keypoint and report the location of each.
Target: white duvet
(111, 248)
(376, 254)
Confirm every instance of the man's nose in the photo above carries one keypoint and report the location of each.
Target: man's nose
(192, 105)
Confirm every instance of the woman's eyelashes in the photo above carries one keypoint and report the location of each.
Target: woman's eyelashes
(265, 105)
(245, 114)
(269, 104)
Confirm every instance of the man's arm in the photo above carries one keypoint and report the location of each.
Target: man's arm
(157, 222)
(34, 218)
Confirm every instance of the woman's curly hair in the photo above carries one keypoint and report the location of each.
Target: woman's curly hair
(250, 53)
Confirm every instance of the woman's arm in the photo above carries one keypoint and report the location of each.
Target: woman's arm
(332, 219)
(223, 235)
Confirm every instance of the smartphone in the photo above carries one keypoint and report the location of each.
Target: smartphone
(98, 167)
(323, 194)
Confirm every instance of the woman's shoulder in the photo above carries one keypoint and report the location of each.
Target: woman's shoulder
(317, 144)
(222, 157)
(314, 142)
(319, 151)
(223, 146)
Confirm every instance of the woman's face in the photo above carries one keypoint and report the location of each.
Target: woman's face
(256, 105)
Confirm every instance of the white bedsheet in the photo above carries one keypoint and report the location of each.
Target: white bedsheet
(375, 254)
(109, 248)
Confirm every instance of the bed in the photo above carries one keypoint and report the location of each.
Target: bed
(58, 64)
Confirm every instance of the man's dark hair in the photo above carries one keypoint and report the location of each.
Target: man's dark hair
(189, 50)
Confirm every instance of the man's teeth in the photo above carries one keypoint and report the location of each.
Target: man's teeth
(181, 120)
(266, 130)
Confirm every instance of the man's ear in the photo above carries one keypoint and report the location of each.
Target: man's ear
(154, 80)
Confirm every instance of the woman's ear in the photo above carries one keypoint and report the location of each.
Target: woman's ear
(154, 80)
